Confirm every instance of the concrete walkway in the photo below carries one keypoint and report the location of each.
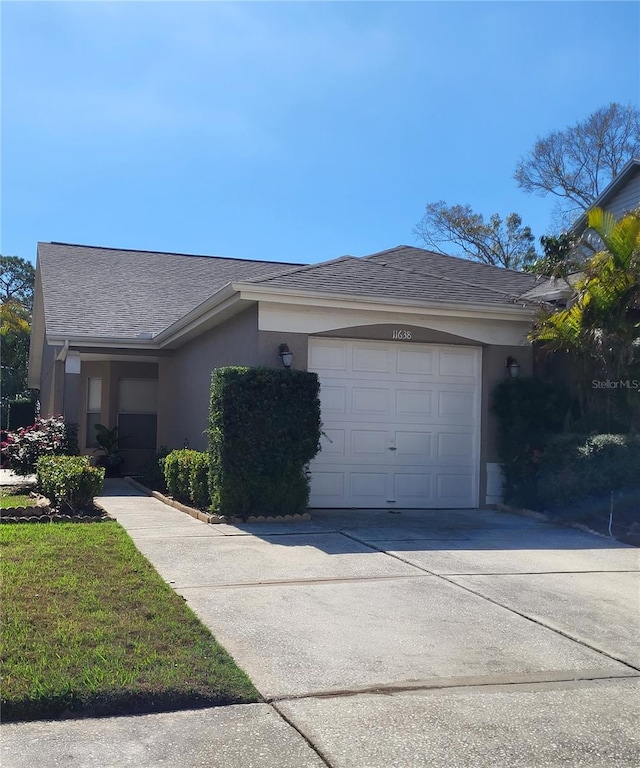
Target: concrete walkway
(425, 638)
(7, 477)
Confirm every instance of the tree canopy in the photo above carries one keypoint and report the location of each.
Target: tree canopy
(17, 280)
(561, 256)
(499, 242)
(577, 163)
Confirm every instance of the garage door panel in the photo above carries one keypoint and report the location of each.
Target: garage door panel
(370, 442)
(415, 444)
(333, 442)
(370, 486)
(370, 400)
(458, 364)
(328, 487)
(415, 361)
(330, 356)
(455, 444)
(414, 402)
(456, 406)
(372, 359)
(402, 425)
(412, 487)
(333, 400)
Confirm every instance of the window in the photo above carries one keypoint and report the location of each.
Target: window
(94, 406)
(137, 413)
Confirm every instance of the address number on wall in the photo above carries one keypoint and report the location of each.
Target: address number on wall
(400, 334)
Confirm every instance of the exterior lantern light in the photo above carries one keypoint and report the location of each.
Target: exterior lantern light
(513, 366)
(286, 355)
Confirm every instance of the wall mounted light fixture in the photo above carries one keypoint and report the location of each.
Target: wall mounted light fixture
(513, 367)
(286, 355)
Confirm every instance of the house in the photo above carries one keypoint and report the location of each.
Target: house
(407, 343)
(619, 197)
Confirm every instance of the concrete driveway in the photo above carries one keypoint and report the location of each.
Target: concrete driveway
(435, 638)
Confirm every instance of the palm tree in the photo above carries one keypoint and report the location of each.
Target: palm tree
(600, 329)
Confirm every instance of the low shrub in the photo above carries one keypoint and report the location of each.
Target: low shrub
(199, 479)
(577, 467)
(46, 437)
(186, 476)
(152, 472)
(70, 482)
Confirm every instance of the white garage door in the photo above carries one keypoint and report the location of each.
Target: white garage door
(401, 424)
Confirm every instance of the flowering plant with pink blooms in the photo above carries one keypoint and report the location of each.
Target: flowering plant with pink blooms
(23, 447)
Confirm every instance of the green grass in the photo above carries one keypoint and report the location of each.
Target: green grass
(16, 500)
(90, 628)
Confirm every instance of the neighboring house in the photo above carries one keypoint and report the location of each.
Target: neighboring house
(621, 196)
(407, 343)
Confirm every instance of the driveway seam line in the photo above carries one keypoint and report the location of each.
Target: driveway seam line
(535, 573)
(391, 688)
(303, 735)
(538, 622)
(305, 582)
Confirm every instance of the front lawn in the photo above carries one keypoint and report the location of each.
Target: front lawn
(90, 628)
(8, 500)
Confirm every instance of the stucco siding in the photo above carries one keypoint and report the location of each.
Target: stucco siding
(185, 378)
(51, 382)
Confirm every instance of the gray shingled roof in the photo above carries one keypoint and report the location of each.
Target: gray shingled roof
(106, 292)
(120, 293)
(408, 273)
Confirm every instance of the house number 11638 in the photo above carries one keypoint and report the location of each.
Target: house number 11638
(400, 334)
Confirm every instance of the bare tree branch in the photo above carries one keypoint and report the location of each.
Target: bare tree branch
(499, 243)
(577, 164)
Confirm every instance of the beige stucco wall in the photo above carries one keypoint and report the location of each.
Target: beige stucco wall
(184, 378)
(51, 391)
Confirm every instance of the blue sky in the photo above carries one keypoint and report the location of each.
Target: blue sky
(294, 131)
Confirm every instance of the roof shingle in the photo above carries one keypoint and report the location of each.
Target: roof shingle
(119, 293)
(112, 293)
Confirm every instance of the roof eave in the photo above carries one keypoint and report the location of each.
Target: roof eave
(80, 340)
(254, 293)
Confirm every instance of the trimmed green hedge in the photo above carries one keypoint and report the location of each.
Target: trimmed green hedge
(577, 467)
(70, 482)
(186, 475)
(264, 429)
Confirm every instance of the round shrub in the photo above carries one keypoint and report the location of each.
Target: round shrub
(70, 482)
(186, 476)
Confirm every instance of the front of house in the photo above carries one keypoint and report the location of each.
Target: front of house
(407, 344)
